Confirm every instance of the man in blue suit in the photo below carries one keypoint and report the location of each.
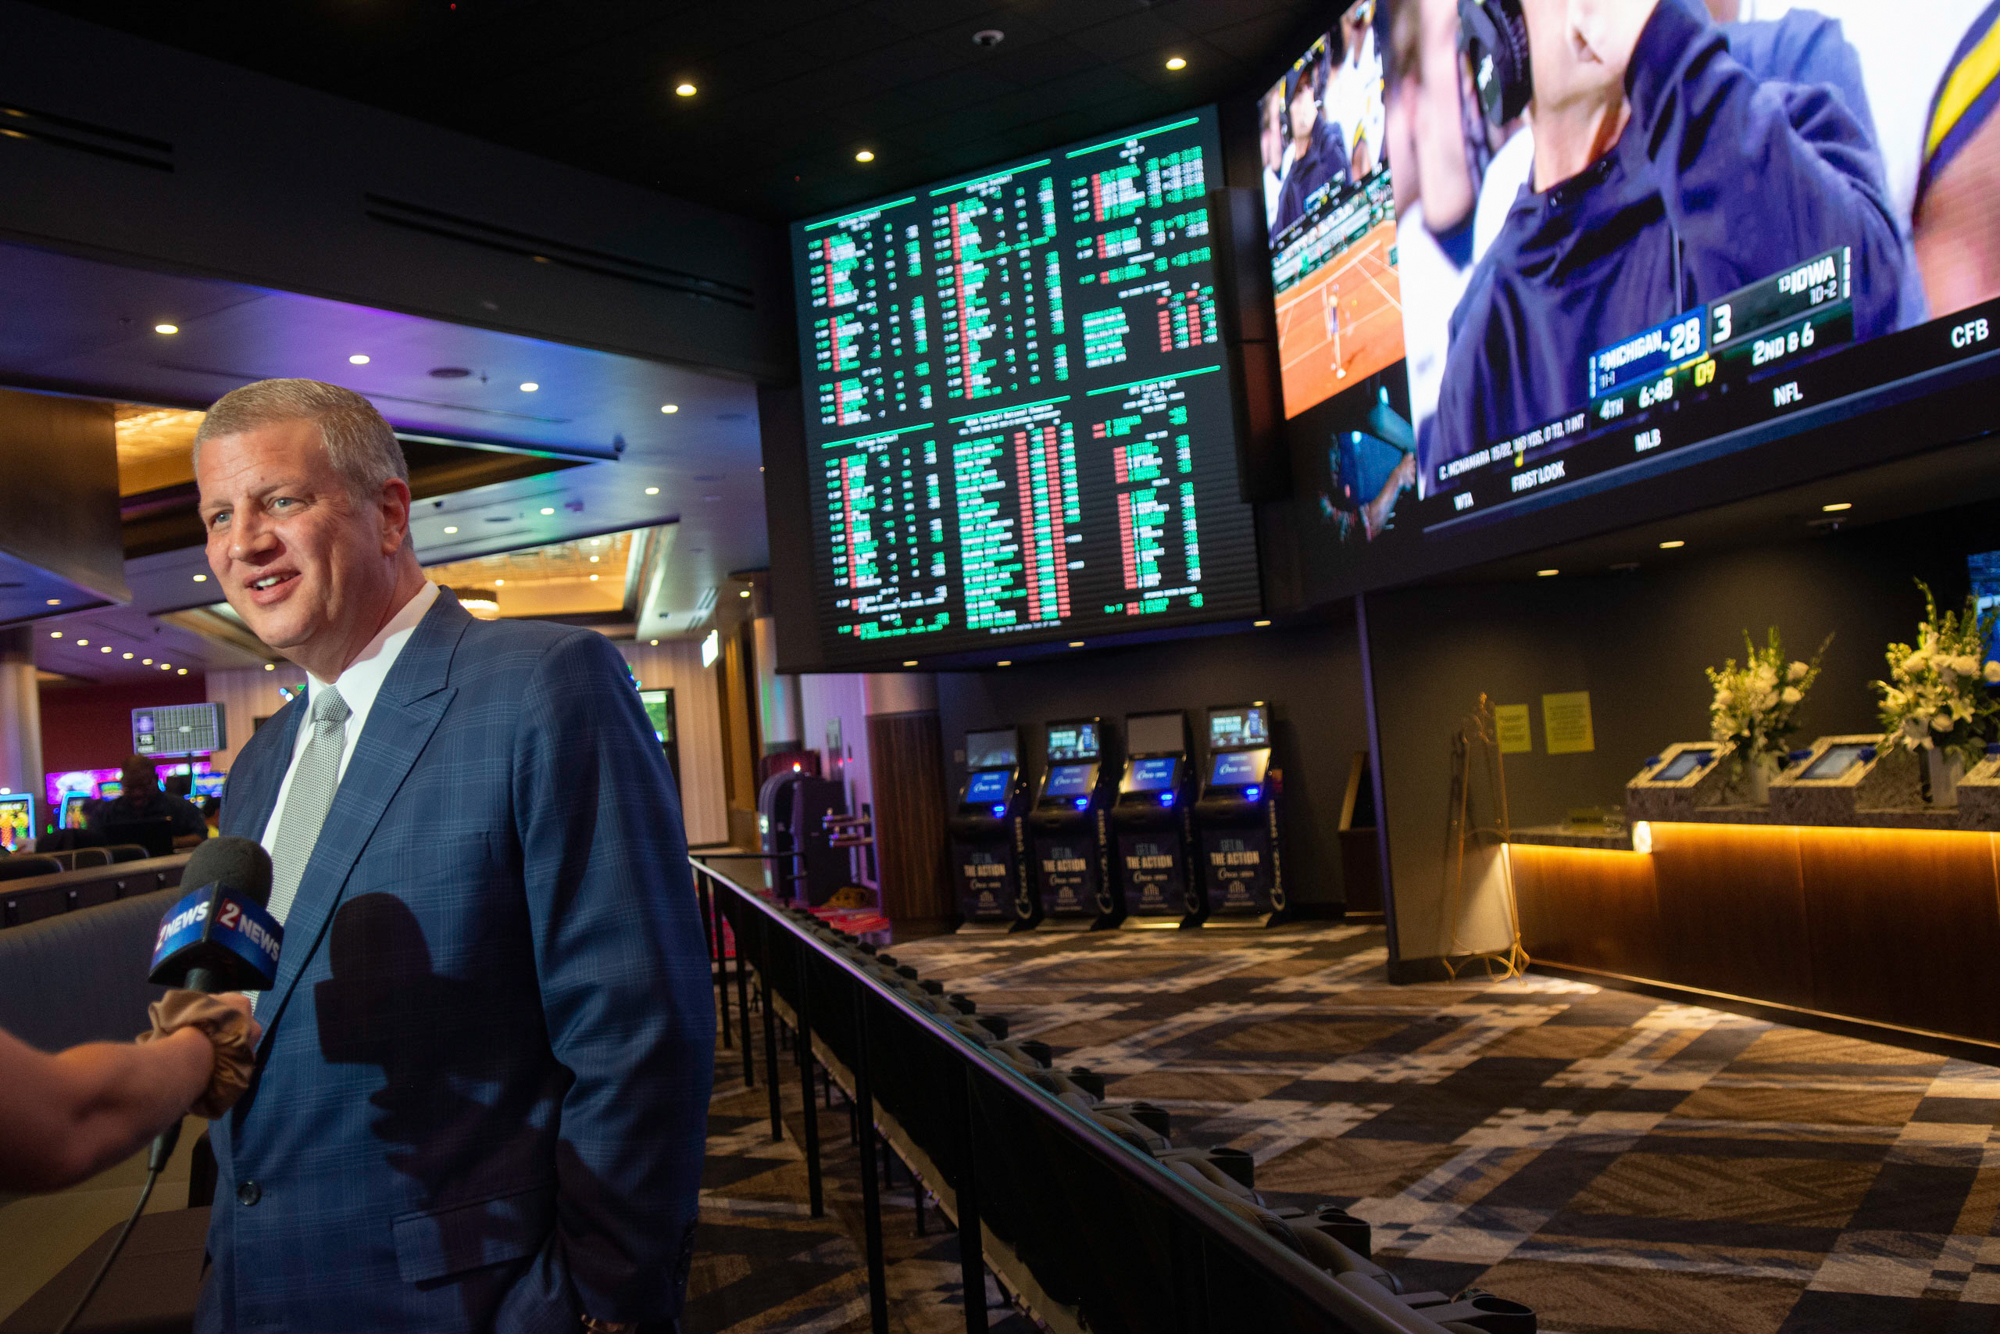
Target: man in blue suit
(483, 1083)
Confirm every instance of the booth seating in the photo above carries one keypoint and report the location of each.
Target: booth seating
(36, 887)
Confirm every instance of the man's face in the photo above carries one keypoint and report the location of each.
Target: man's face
(1305, 110)
(1567, 72)
(137, 779)
(297, 555)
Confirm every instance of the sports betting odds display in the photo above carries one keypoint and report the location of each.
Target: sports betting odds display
(1018, 412)
(1524, 250)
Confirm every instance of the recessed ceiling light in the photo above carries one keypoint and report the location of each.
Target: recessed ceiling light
(548, 509)
(654, 642)
(55, 602)
(358, 359)
(595, 559)
(1004, 662)
(1076, 643)
(652, 490)
(181, 671)
(166, 666)
(126, 656)
(269, 666)
(452, 529)
(670, 408)
(529, 386)
(1260, 623)
(105, 649)
(1176, 62)
(685, 90)
(166, 328)
(1543, 574)
(499, 583)
(82, 642)
(147, 661)
(744, 594)
(593, 578)
(1669, 546)
(201, 578)
(1837, 506)
(865, 155)
(55, 634)
(909, 662)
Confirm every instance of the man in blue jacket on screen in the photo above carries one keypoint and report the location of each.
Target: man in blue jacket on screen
(1674, 162)
(482, 1089)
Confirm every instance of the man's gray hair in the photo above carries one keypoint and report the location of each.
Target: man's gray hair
(359, 443)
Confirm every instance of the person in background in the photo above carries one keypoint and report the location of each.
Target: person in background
(140, 798)
(1318, 152)
(66, 1117)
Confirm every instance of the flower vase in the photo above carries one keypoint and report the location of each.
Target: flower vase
(1758, 769)
(1946, 768)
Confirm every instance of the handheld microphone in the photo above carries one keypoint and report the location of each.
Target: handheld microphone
(219, 937)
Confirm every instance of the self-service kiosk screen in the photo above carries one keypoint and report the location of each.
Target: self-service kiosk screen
(991, 785)
(1072, 741)
(1070, 780)
(1232, 728)
(992, 750)
(1153, 733)
(1681, 765)
(1836, 761)
(1155, 775)
(1238, 768)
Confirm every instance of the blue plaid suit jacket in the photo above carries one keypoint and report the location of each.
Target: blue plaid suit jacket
(483, 1086)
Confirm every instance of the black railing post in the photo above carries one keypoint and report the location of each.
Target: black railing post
(803, 1045)
(771, 1044)
(971, 1259)
(743, 999)
(871, 1195)
(713, 910)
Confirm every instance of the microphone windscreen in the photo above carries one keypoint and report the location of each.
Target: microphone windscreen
(240, 864)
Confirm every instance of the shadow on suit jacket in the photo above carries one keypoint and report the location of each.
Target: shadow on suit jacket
(483, 1087)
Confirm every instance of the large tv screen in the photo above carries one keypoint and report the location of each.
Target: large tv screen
(1621, 239)
(1018, 411)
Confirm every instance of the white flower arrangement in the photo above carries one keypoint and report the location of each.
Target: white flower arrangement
(1754, 704)
(1936, 696)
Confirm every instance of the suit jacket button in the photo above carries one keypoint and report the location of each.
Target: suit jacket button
(249, 1193)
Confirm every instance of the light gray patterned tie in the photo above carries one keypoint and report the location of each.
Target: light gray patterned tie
(309, 800)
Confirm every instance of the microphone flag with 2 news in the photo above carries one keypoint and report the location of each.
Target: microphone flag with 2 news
(219, 937)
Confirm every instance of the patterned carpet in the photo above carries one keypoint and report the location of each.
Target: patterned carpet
(1616, 1162)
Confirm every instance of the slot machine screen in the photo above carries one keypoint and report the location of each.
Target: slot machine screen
(1238, 768)
(997, 749)
(76, 810)
(1155, 733)
(1070, 780)
(17, 821)
(1237, 727)
(1072, 741)
(1154, 775)
(988, 786)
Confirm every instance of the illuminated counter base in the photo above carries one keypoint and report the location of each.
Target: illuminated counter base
(1894, 926)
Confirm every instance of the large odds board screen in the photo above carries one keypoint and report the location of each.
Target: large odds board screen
(1018, 413)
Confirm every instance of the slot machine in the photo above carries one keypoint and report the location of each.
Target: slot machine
(1068, 828)
(1236, 818)
(1150, 829)
(986, 836)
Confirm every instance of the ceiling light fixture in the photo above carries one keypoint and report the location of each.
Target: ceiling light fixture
(1176, 62)
(548, 509)
(865, 155)
(55, 634)
(182, 671)
(670, 408)
(147, 661)
(126, 656)
(595, 559)
(685, 90)
(529, 386)
(269, 666)
(358, 359)
(654, 642)
(451, 529)
(1076, 643)
(652, 490)
(81, 643)
(201, 578)
(55, 602)
(1675, 544)
(744, 594)
(1260, 624)
(166, 328)
(481, 602)
(593, 578)
(105, 649)
(499, 583)
(166, 666)
(1004, 662)
(1837, 506)
(909, 662)
(1544, 574)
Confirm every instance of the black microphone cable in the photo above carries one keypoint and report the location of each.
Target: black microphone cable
(156, 1161)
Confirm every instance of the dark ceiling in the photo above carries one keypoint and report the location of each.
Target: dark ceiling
(789, 91)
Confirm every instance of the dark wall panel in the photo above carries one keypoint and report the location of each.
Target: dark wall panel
(1310, 674)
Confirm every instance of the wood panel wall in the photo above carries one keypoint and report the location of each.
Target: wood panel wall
(676, 665)
(907, 775)
(1889, 926)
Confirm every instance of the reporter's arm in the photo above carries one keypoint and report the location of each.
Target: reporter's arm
(68, 1116)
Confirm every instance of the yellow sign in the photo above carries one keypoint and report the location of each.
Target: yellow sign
(1517, 734)
(1566, 723)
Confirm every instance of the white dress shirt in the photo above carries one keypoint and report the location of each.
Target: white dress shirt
(359, 685)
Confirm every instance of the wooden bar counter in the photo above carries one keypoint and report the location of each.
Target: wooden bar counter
(1898, 927)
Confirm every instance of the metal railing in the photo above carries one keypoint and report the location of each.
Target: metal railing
(1089, 1230)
